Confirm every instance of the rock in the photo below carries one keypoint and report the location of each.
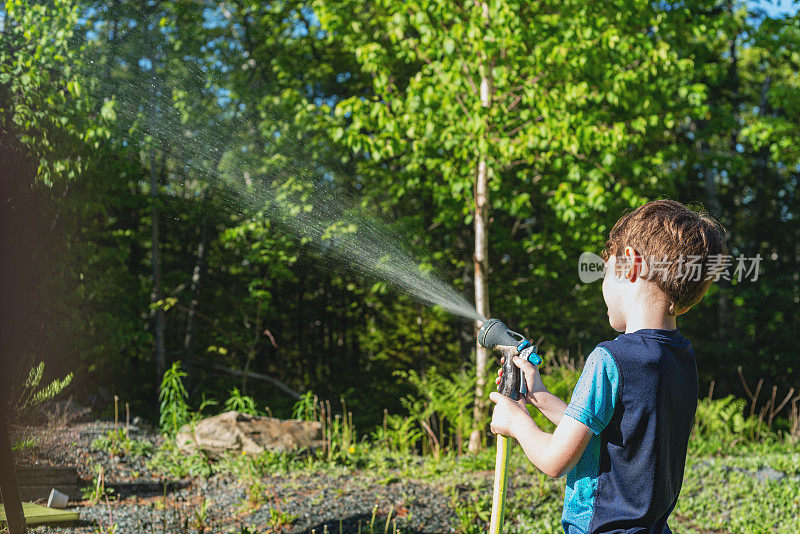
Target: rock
(702, 464)
(241, 432)
(769, 474)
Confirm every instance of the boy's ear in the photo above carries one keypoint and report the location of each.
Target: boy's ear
(635, 266)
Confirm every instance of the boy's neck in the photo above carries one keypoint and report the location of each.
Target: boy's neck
(649, 316)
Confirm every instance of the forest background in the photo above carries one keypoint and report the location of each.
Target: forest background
(122, 123)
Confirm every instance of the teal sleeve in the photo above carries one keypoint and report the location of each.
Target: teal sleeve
(595, 396)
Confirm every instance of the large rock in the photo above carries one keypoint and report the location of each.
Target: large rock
(241, 432)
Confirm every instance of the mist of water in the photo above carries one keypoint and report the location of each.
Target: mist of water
(304, 201)
(366, 243)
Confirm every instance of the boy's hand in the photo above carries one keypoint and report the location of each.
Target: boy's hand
(533, 379)
(507, 414)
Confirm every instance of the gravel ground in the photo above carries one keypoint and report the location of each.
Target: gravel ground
(71, 446)
(291, 505)
(287, 504)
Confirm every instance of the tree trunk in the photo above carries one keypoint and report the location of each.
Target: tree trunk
(9, 487)
(481, 264)
(253, 348)
(197, 278)
(14, 287)
(481, 259)
(723, 311)
(158, 293)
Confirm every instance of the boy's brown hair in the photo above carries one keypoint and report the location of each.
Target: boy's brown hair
(670, 236)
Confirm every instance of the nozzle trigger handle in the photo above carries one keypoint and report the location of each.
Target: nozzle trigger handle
(511, 380)
(529, 353)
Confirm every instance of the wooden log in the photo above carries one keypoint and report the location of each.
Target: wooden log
(43, 475)
(35, 482)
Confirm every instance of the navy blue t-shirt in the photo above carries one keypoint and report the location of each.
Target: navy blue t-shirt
(638, 395)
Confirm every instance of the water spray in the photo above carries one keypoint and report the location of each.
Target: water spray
(493, 333)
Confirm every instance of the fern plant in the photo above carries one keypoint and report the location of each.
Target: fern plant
(30, 395)
(442, 403)
(240, 403)
(720, 424)
(305, 409)
(172, 395)
(399, 434)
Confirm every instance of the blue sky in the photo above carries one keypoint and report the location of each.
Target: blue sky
(775, 8)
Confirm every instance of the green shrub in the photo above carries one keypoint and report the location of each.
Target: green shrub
(338, 432)
(97, 491)
(472, 510)
(246, 466)
(341, 437)
(119, 443)
(171, 462)
(305, 408)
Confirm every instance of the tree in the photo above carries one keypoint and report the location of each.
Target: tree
(735, 155)
(527, 104)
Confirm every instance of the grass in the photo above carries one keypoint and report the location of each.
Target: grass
(720, 492)
(724, 494)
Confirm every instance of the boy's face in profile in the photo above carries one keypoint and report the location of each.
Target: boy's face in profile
(615, 292)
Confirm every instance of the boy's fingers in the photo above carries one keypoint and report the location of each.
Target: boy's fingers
(524, 365)
(495, 397)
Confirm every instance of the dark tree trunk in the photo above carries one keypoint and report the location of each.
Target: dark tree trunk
(157, 294)
(9, 489)
(13, 282)
(253, 348)
(194, 300)
(723, 311)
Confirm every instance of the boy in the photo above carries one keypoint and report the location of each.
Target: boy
(622, 438)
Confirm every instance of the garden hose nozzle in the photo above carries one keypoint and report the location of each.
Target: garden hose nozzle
(494, 333)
